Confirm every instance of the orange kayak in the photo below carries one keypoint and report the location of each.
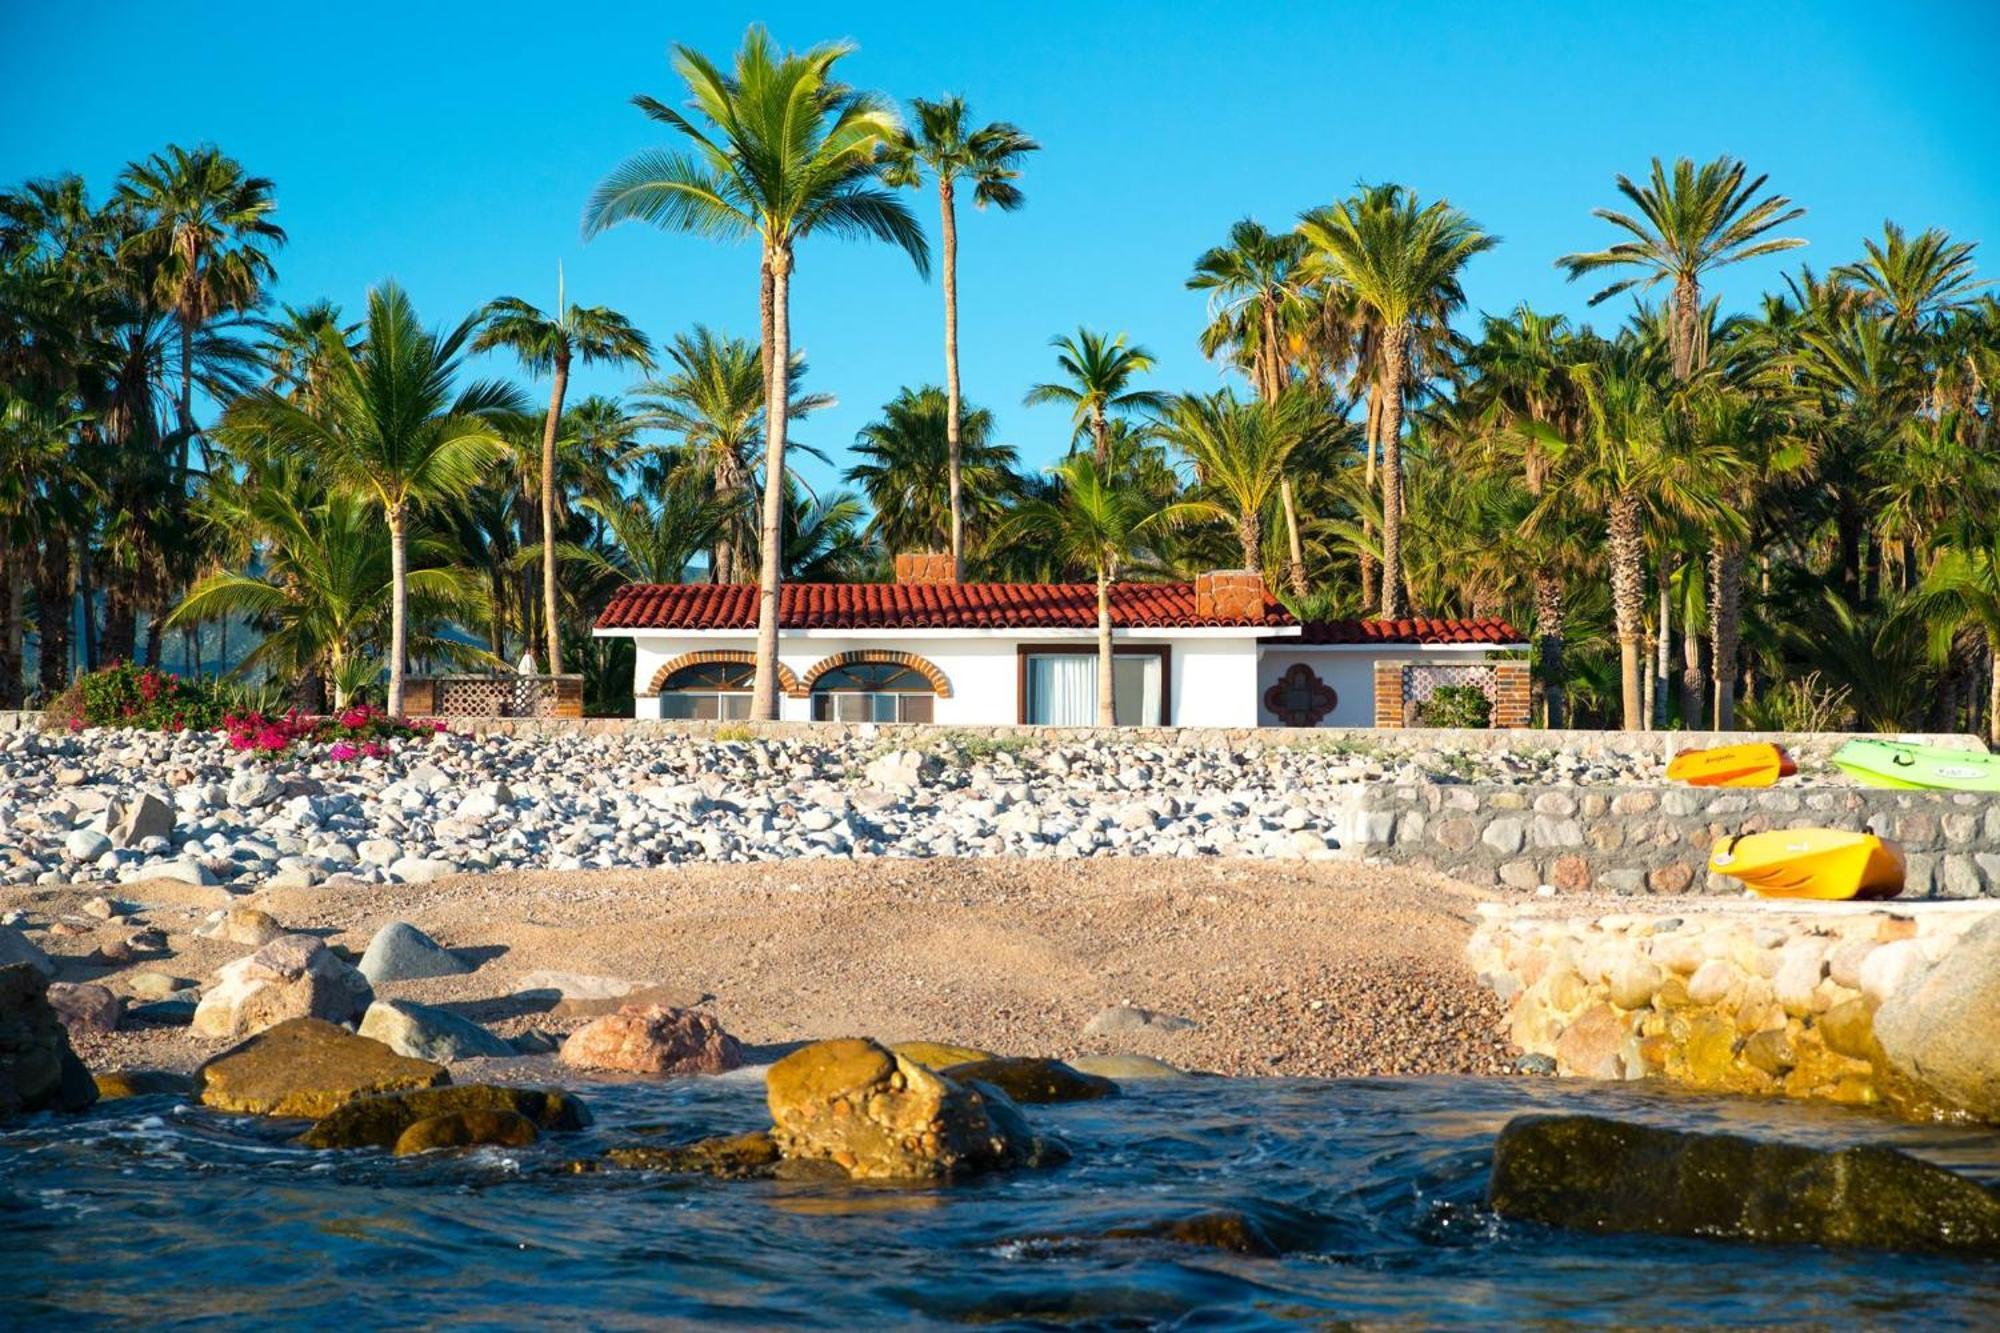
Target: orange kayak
(1756, 765)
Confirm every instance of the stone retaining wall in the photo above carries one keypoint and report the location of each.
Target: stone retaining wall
(1656, 839)
(1859, 1003)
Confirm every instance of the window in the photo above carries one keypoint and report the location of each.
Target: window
(708, 691)
(1059, 689)
(872, 692)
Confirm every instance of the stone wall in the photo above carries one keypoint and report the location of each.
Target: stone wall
(1656, 838)
(1864, 1004)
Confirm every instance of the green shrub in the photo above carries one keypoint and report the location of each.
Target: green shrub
(1464, 706)
(126, 695)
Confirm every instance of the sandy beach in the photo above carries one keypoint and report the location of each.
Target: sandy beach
(1328, 970)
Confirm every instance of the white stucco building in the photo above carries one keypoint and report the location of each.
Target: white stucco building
(1216, 652)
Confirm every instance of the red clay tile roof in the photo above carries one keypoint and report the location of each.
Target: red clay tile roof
(708, 606)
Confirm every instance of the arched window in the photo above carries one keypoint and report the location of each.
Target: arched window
(708, 691)
(872, 692)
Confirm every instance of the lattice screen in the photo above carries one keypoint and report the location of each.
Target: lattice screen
(1422, 679)
(507, 696)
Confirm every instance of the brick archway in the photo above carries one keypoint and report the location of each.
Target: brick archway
(940, 683)
(787, 681)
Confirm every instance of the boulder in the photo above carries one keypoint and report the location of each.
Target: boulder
(86, 844)
(307, 1067)
(293, 976)
(1126, 1068)
(467, 1129)
(940, 1055)
(1594, 1174)
(734, 1157)
(1936, 1031)
(401, 952)
(1035, 1082)
(653, 1039)
(421, 869)
(38, 1070)
(425, 1033)
(252, 926)
(596, 1006)
(18, 948)
(378, 1122)
(115, 1084)
(147, 817)
(253, 789)
(86, 1007)
(880, 1116)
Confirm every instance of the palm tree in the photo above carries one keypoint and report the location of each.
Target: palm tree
(590, 334)
(291, 349)
(1916, 284)
(1257, 287)
(989, 157)
(206, 227)
(1098, 524)
(1239, 453)
(651, 543)
(786, 151)
(391, 429)
(1402, 261)
(1962, 590)
(899, 470)
(1101, 371)
(1701, 219)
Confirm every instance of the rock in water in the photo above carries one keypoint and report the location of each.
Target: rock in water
(401, 952)
(1937, 1034)
(114, 1084)
(38, 1070)
(939, 1055)
(1589, 1173)
(735, 1157)
(880, 1116)
(294, 976)
(1034, 1082)
(466, 1129)
(653, 1039)
(424, 1033)
(378, 1122)
(307, 1067)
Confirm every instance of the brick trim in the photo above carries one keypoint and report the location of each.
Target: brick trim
(924, 667)
(787, 681)
(1389, 693)
(1511, 691)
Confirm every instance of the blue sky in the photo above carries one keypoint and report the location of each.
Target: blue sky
(453, 149)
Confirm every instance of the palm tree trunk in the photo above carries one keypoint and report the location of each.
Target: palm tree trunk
(1628, 598)
(399, 605)
(1993, 688)
(55, 615)
(1663, 663)
(1694, 679)
(1107, 699)
(1725, 592)
(1549, 645)
(10, 630)
(1373, 433)
(1100, 434)
(1250, 536)
(1394, 343)
(551, 616)
(777, 407)
(1295, 569)
(1684, 334)
(948, 209)
(185, 406)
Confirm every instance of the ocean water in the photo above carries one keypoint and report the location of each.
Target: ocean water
(154, 1213)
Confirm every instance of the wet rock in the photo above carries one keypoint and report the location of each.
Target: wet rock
(879, 1116)
(1035, 1082)
(86, 1007)
(38, 1070)
(115, 1084)
(18, 948)
(1937, 1034)
(401, 952)
(940, 1056)
(1589, 1173)
(308, 1067)
(425, 1033)
(466, 1129)
(379, 1121)
(1123, 1020)
(653, 1039)
(733, 1157)
(1126, 1068)
(1223, 1229)
(293, 976)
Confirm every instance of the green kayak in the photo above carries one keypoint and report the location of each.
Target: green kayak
(1888, 764)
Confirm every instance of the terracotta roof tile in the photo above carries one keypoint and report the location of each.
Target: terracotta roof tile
(1418, 631)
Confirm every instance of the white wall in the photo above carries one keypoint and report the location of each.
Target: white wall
(1214, 679)
(1351, 673)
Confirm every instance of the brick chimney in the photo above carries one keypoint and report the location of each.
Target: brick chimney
(1229, 594)
(924, 568)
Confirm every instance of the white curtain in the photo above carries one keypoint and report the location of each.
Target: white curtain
(1062, 690)
(1138, 686)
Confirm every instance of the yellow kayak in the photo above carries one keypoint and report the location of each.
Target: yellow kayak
(1811, 863)
(1758, 764)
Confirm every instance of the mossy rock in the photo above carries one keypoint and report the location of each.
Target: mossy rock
(1034, 1082)
(466, 1129)
(379, 1122)
(307, 1067)
(114, 1084)
(939, 1055)
(1223, 1229)
(1593, 1174)
(734, 1157)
